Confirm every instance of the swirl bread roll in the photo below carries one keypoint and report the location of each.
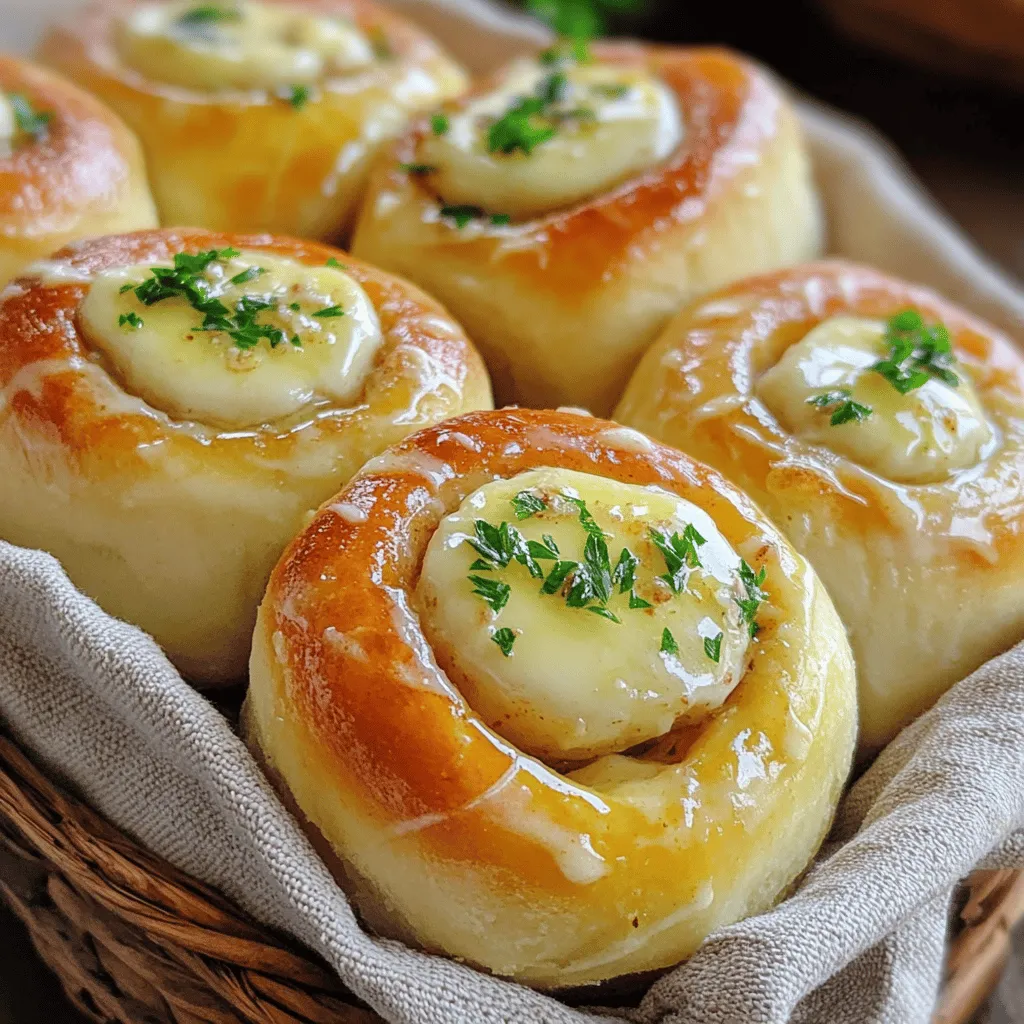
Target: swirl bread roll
(567, 209)
(175, 404)
(552, 698)
(882, 428)
(256, 116)
(68, 168)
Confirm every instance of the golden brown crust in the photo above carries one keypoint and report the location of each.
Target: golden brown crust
(734, 197)
(468, 846)
(242, 161)
(84, 177)
(68, 425)
(924, 576)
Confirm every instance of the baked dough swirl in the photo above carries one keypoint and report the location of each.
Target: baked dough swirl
(175, 404)
(907, 500)
(256, 116)
(498, 774)
(68, 168)
(566, 209)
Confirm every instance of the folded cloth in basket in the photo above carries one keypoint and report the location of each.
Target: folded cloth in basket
(860, 942)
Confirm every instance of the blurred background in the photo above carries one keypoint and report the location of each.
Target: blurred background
(942, 79)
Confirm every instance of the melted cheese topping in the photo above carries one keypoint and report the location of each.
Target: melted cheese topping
(610, 124)
(246, 46)
(575, 684)
(204, 375)
(920, 437)
(8, 126)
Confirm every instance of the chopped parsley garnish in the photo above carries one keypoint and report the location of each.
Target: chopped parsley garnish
(546, 550)
(668, 642)
(296, 341)
(568, 50)
(610, 90)
(332, 262)
(185, 280)
(505, 638)
(638, 602)
(604, 613)
(329, 312)
(417, 168)
(131, 319)
(439, 124)
(523, 127)
(917, 353)
(680, 554)
(462, 214)
(527, 504)
(29, 120)
(587, 521)
(297, 95)
(625, 570)
(208, 14)
(752, 583)
(494, 592)
(499, 545)
(247, 275)
(295, 307)
(844, 408)
(713, 647)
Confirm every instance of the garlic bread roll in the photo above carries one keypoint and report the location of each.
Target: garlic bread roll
(256, 116)
(882, 428)
(69, 168)
(175, 404)
(551, 698)
(567, 208)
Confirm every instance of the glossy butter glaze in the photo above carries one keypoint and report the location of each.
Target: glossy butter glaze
(925, 576)
(453, 838)
(237, 159)
(83, 177)
(604, 275)
(175, 524)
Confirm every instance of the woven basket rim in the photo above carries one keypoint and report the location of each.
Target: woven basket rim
(134, 939)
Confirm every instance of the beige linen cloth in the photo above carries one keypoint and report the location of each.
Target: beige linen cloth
(860, 942)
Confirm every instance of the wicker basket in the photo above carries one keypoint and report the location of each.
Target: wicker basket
(133, 940)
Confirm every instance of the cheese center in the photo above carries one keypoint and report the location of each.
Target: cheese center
(554, 673)
(291, 336)
(225, 45)
(8, 126)
(919, 437)
(587, 127)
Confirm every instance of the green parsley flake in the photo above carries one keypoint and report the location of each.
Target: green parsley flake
(28, 120)
(844, 408)
(625, 570)
(417, 169)
(752, 583)
(917, 353)
(329, 312)
(527, 504)
(439, 124)
(668, 642)
(494, 592)
(248, 275)
(131, 319)
(713, 647)
(208, 14)
(505, 638)
(501, 219)
(462, 214)
(295, 307)
(297, 95)
(680, 554)
(638, 602)
(610, 90)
